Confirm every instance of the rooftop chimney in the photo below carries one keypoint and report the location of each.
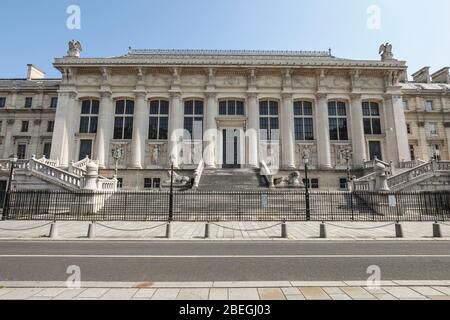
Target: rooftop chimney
(423, 75)
(34, 73)
(441, 76)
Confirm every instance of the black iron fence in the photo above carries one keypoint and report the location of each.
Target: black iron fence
(227, 206)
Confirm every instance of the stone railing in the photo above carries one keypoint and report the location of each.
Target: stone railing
(79, 168)
(266, 173)
(50, 162)
(409, 175)
(411, 164)
(5, 164)
(55, 174)
(106, 185)
(371, 164)
(198, 174)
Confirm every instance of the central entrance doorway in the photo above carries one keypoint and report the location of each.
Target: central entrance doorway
(231, 148)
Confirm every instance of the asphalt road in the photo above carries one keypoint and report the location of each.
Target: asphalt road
(224, 261)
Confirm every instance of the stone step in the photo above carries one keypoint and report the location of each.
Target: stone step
(232, 179)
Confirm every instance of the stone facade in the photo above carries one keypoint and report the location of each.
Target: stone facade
(300, 95)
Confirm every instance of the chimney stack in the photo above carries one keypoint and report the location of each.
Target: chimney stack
(423, 75)
(441, 76)
(34, 73)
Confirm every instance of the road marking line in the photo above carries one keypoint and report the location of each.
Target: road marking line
(221, 256)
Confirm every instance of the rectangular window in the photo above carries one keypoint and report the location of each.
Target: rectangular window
(231, 108)
(405, 105)
(50, 126)
(343, 183)
(303, 120)
(371, 117)
(21, 151)
(28, 102)
(432, 128)
(89, 116)
(411, 152)
(2, 102)
(408, 128)
(193, 120)
(159, 120)
(123, 121)
(152, 183)
(311, 183)
(268, 122)
(47, 150)
(337, 120)
(53, 102)
(119, 183)
(429, 105)
(24, 127)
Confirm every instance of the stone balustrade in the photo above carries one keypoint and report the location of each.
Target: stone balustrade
(198, 174)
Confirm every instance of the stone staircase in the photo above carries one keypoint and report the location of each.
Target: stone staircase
(232, 180)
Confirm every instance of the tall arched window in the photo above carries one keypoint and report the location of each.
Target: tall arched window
(193, 119)
(159, 120)
(89, 116)
(371, 117)
(231, 107)
(303, 120)
(337, 119)
(268, 120)
(123, 121)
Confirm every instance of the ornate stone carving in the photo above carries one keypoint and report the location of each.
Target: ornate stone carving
(304, 81)
(386, 52)
(337, 152)
(293, 181)
(178, 179)
(74, 49)
(310, 151)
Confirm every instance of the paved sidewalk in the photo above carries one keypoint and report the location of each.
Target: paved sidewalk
(243, 230)
(275, 290)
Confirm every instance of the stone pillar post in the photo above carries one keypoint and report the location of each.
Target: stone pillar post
(323, 135)
(63, 133)
(358, 140)
(104, 130)
(140, 131)
(175, 128)
(253, 130)
(396, 133)
(210, 130)
(91, 176)
(287, 132)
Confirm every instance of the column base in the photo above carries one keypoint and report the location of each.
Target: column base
(325, 167)
(136, 167)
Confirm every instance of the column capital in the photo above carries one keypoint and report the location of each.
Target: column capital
(210, 94)
(175, 94)
(321, 95)
(355, 96)
(286, 95)
(106, 94)
(252, 95)
(140, 94)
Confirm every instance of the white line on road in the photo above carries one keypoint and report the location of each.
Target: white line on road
(221, 256)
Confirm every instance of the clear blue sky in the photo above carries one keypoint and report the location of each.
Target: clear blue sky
(36, 32)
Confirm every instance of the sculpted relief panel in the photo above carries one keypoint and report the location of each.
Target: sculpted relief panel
(231, 81)
(158, 80)
(304, 82)
(371, 82)
(337, 82)
(156, 155)
(89, 80)
(125, 154)
(269, 81)
(121, 80)
(193, 80)
(308, 150)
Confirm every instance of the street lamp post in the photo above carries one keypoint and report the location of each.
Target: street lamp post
(12, 162)
(347, 154)
(172, 160)
(117, 155)
(308, 208)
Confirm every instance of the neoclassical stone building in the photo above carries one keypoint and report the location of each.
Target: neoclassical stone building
(233, 109)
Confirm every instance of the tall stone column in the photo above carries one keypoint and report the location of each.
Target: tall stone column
(358, 140)
(253, 130)
(210, 131)
(323, 135)
(287, 133)
(104, 129)
(175, 128)
(396, 134)
(140, 131)
(63, 133)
